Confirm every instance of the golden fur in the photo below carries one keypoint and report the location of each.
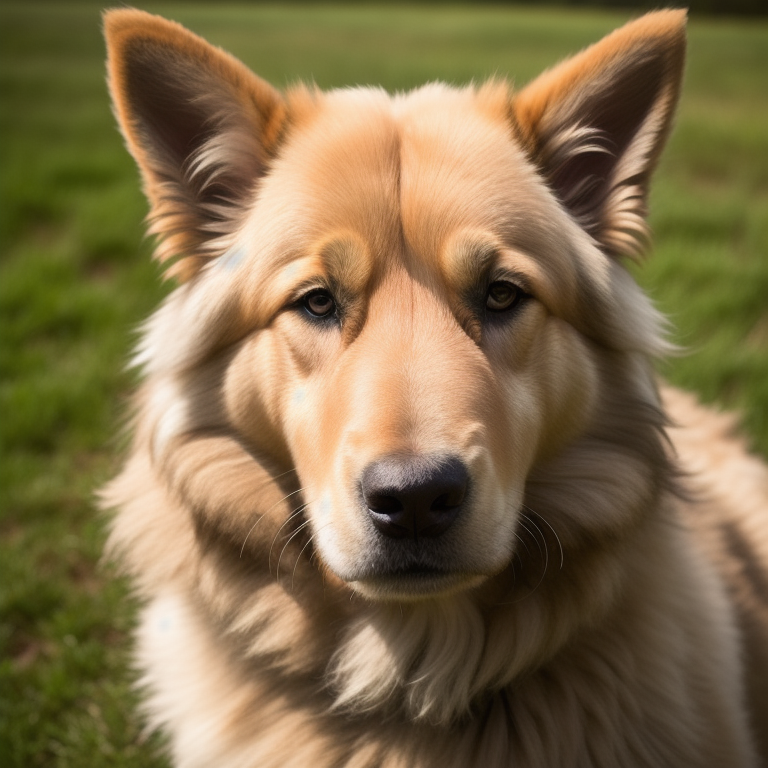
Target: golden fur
(585, 603)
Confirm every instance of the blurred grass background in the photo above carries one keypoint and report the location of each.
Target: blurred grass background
(76, 277)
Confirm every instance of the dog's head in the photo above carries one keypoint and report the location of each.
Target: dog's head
(406, 306)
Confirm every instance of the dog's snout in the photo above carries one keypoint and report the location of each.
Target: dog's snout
(414, 496)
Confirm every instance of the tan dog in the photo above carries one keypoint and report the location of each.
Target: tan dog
(401, 492)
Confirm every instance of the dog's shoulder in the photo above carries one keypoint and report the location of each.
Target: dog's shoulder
(727, 509)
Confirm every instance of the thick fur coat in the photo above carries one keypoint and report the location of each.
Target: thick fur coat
(403, 489)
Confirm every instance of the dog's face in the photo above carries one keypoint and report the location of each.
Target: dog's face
(409, 343)
(413, 301)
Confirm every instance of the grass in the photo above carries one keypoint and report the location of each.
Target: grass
(76, 276)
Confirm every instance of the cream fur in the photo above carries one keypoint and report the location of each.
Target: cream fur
(591, 605)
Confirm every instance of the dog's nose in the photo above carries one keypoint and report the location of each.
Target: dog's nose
(414, 496)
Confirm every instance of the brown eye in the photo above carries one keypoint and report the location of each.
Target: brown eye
(319, 303)
(502, 296)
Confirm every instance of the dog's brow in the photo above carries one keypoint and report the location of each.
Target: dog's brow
(466, 260)
(346, 260)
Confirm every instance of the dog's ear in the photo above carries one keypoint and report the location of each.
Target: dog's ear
(595, 125)
(201, 126)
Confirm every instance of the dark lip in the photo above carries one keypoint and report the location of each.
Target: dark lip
(413, 576)
(406, 571)
(415, 571)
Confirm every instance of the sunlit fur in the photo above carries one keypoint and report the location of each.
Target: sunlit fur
(577, 613)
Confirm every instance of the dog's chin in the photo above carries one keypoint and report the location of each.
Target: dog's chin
(414, 584)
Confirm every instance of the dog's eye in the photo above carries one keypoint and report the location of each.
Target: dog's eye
(319, 303)
(502, 296)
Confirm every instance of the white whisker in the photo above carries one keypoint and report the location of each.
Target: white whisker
(298, 557)
(287, 520)
(262, 516)
(554, 532)
(289, 540)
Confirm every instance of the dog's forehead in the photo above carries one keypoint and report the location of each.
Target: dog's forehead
(414, 179)
(415, 168)
(461, 169)
(342, 165)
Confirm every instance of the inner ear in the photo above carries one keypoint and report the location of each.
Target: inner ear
(195, 131)
(201, 126)
(173, 117)
(596, 124)
(583, 150)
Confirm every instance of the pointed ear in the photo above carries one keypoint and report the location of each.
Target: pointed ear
(596, 124)
(201, 126)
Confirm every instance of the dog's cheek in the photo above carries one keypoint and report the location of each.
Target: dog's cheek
(269, 380)
(277, 402)
(517, 353)
(567, 378)
(548, 376)
(252, 394)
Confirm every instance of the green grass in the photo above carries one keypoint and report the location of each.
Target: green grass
(76, 277)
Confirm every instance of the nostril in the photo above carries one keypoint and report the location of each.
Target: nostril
(385, 504)
(447, 501)
(414, 496)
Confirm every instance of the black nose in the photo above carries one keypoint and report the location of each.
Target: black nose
(414, 496)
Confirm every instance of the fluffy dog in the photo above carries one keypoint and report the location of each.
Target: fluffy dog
(402, 491)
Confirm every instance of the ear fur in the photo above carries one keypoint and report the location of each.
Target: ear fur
(201, 126)
(596, 125)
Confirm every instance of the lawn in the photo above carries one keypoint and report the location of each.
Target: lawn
(76, 278)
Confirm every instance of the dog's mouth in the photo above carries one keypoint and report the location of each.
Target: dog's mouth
(413, 582)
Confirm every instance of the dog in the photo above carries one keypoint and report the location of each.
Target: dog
(403, 488)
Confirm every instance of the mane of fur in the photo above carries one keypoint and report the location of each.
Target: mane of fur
(254, 647)
(434, 661)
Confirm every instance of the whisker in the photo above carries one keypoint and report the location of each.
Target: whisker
(289, 540)
(262, 516)
(287, 520)
(545, 551)
(283, 474)
(546, 522)
(531, 534)
(301, 552)
(517, 552)
(271, 479)
(298, 557)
